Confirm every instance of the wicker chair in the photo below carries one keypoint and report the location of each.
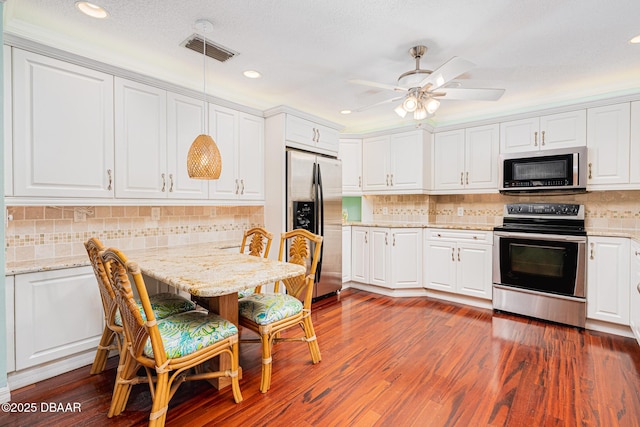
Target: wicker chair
(259, 245)
(269, 314)
(169, 347)
(164, 304)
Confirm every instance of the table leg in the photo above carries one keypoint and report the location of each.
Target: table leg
(227, 307)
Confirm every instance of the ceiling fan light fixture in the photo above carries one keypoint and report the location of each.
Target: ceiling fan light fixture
(400, 111)
(410, 103)
(420, 113)
(432, 105)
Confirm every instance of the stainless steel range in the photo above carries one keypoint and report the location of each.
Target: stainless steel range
(539, 262)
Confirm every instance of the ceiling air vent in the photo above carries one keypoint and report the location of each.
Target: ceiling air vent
(215, 51)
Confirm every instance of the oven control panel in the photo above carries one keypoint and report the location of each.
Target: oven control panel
(544, 209)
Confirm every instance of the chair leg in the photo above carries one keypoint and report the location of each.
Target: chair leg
(127, 369)
(312, 340)
(160, 401)
(266, 363)
(100, 361)
(235, 367)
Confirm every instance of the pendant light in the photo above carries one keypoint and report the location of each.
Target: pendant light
(204, 160)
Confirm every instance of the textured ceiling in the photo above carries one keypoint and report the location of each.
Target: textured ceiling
(545, 53)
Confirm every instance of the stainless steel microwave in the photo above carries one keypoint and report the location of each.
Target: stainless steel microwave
(553, 171)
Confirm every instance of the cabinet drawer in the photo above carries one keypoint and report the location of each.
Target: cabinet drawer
(459, 235)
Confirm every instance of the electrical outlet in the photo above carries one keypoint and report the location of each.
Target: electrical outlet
(155, 214)
(79, 215)
(460, 211)
(385, 211)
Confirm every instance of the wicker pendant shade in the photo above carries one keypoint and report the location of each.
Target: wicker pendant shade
(203, 159)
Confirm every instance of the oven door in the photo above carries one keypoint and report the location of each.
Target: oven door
(540, 262)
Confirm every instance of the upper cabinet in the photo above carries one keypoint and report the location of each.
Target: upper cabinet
(465, 160)
(544, 133)
(397, 163)
(608, 141)
(8, 123)
(63, 135)
(308, 135)
(240, 139)
(351, 155)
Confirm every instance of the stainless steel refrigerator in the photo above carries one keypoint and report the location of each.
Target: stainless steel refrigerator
(314, 202)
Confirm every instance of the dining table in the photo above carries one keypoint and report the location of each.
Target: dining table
(213, 277)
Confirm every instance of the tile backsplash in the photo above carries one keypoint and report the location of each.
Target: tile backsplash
(612, 210)
(37, 232)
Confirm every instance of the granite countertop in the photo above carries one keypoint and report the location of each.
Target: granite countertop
(58, 263)
(477, 227)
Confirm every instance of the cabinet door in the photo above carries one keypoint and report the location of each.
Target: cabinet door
(327, 139)
(440, 266)
(519, 135)
(185, 121)
(223, 125)
(563, 130)
(634, 151)
(351, 156)
(608, 280)
(406, 258)
(406, 168)
(141, 140)
(360, 254)
(251, 156)
(379, 257)
(481, 154)
(346, 254)
(60, 108)
(608, 143)
(375, 164)
(8, 122)
(634, 309)
(58, 313)
(300, 130)
(449, 160)
(10, 323)
(474, 270)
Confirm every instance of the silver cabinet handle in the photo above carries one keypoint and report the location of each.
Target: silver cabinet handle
(394, 239)
(453, 254)
(387, 180)
(590, 164)
(461, 178)
(318, 139)
(237, 186)
(110, 176)
(392, 180)
(386, 238)
(542, 137)
(164, 183)
(592, 251)
(366, 234)
(360, 182)
(458, 254)
(535, 139)
(242, 184)
(170, 183)
(467, 178)
(638, 287)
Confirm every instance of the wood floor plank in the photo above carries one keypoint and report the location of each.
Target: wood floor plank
(392, 361)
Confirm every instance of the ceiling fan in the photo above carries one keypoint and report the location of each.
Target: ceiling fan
(423, 88)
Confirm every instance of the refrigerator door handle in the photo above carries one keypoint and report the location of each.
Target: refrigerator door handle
(320, 220)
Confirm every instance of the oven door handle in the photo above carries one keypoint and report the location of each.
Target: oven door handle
(540, 236)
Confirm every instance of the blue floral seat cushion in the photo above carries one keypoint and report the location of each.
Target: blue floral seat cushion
(268, 308)
(185, 333)
(245, 293)
(163, 305)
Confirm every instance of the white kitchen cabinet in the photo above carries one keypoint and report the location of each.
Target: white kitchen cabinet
(634, 308)
(63, 129)
(240, 139)
(360, 254)
(10, 323)
(141, 141)
(609, 145)
(351, 155)
(458, 262)
(8, 122)
(465, 159)
(308, 135)
(406, 257)
(57, 313)
(346, 253)
(379, 257)
(544, 133)
(397, 163)
(608, 271)
(634, 149)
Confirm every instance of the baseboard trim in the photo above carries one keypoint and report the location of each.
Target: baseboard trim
(25, 377)
(5, 394)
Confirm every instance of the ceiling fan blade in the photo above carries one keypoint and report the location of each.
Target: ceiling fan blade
(378, 85)
(388, 101)
(471, 94)
(446, 72)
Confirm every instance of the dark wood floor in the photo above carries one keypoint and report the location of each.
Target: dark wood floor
(393, 362)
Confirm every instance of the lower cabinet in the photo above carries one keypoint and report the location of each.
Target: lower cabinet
(634, 309)
(458, 261)
(346, 253)
(10, 326)
(608, 279)
(58, 313)
(387, 257)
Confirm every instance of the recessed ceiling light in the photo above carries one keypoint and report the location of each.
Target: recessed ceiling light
(252, 74)
(345, 112)
(91, 10)
(635, 40)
